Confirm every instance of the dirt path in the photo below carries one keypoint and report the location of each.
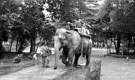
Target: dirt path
(34, 73)
(37, 72)
(117, 69)
(112, 69)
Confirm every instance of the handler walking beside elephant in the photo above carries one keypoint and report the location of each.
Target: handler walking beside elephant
(45, 53)
(45, 56)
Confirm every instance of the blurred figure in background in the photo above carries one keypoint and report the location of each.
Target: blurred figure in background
(18, 58)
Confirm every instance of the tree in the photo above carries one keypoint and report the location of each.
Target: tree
(34, 21)
(65, 10)
(31, 17)
(6, 8)
(24, 20)
(121, 23)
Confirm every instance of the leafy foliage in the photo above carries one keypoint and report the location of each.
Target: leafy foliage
(66, 10)
(23, 20)
(121, 23)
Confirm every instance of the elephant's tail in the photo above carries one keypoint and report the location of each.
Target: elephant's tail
(82, 49)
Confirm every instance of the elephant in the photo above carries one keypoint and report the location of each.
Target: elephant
(73, 45)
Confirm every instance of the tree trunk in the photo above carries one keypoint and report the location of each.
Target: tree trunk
(94, 70)
(1, 50)
(21, 46)
(11, 45)
(38, 45)
(118, 44)
(32, 48)
(17, 41)
(122, 53)
(134, 44)
(129, 41)
(109, 46)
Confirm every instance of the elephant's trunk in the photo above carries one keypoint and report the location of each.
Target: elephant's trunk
(56, 60)
(57, 46)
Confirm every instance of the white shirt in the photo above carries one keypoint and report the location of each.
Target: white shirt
(42, 49)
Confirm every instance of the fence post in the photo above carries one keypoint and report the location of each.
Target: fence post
(94, 70)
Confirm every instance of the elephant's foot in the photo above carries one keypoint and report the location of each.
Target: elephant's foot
(55, 68)
(77, 66)
(74, 67)
(86, 66)
(71, 68)
(67, 64)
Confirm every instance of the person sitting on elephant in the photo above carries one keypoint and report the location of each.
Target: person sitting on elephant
(81, 27)
(71, 25)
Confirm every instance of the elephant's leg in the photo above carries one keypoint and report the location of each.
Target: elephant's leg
(65, 56)
(71, 56)
(76, 59)
(64, 59)
(88, 58)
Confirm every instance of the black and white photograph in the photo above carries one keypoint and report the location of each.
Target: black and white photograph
(67, 39)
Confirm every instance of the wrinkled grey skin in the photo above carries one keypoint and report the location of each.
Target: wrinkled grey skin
(70, 42)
